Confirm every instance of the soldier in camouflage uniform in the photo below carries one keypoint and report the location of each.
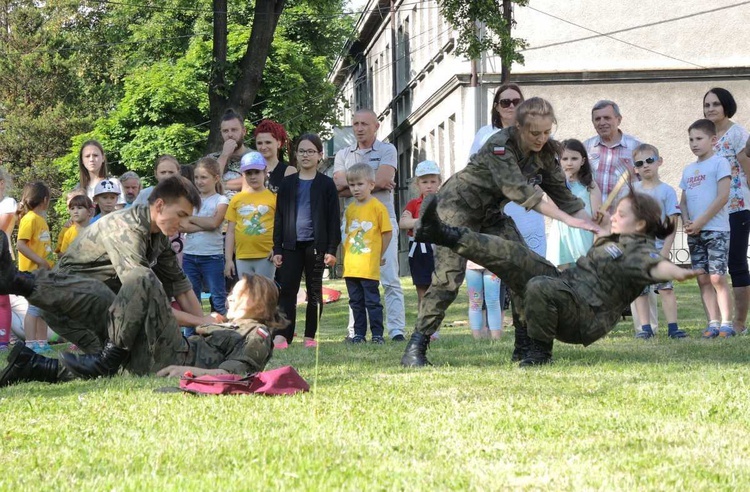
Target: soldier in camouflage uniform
(116, 280)
(241, 346)
(580, 304)
(518, 164)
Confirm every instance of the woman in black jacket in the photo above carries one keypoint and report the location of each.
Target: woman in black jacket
(307, 232)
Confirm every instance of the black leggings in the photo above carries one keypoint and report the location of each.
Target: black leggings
(739, 225)
(302, 259)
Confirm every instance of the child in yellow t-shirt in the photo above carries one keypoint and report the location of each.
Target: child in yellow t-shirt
(368, 233)
(35, 251)
(80, 208)
(250, 219)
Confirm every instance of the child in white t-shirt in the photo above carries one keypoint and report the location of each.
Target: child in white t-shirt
(203, 259)
(647, 161)
(705, 192)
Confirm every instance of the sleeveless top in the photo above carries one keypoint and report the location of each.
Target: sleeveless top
(273, 181)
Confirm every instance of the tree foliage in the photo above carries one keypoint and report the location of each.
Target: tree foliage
(498, 39)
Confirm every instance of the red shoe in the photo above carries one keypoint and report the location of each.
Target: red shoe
(311, 343)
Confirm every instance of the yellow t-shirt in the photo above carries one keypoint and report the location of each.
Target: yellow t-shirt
(365, 225)
(70, 234)
(253, 214)
(60, 238)
(33, 228)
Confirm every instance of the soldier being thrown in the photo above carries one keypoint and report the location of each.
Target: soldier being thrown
(583, 303)
(115, 280)
(241, 346)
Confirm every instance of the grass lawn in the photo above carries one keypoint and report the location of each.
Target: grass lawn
(623, 414)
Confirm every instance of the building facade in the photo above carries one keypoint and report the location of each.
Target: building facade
(655, 59)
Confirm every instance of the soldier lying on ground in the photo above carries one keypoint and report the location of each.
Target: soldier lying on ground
(244, 345)
(583, 303)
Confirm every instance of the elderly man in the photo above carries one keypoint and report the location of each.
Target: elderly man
(382, 157)
(611, 154)
(131, 187)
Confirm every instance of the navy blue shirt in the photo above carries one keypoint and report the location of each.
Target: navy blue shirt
(304, 211)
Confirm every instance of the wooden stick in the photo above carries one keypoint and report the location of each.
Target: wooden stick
(624, 177)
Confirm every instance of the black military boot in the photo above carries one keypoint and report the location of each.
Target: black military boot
(89, 366)
(522, 344)
(26, 365)
(415, 354)
(11, 280)
(540, 353)
(431, 229)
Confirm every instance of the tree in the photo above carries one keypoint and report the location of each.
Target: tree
(241, 94)
(497, 21)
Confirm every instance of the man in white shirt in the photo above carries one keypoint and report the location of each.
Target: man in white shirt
(382, 157)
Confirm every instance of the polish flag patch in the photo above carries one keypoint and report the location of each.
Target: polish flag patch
(498, 150)
(263, 333)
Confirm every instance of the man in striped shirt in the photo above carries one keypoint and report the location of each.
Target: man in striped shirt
(610, 151)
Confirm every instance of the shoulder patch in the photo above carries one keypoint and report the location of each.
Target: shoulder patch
(613, 251)
(263, 333)
(497, 150)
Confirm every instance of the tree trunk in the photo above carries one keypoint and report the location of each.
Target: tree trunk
(242, 94)
(508, 15)
(217, 100)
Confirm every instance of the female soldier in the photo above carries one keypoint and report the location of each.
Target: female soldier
(580, 304)
(518, 164)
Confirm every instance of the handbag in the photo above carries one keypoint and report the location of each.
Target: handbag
(282, 381)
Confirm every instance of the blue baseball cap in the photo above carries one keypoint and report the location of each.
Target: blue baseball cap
(252, 160)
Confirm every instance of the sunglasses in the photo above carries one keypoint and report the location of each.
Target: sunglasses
(650, 160)
(505, 103)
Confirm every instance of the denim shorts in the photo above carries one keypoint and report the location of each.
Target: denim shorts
(34, 311)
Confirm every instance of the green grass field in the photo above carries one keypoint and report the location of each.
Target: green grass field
(623, 414)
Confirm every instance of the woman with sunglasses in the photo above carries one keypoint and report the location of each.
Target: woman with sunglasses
(719, 106)
(516, 164)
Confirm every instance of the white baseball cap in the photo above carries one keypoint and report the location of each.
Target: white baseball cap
(106, 186)
(426, 167)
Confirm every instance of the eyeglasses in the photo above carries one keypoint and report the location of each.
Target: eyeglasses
(307, 152)
(505, 103)
(650, 160)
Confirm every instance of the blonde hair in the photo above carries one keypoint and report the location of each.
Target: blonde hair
(361, 171)
(166, 157)
(535, 106)
(212, 167)
(260, 297)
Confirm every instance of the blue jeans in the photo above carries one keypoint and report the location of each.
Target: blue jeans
(364, 299)
(209, 270)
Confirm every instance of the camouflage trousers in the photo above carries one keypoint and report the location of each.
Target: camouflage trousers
(450, 268)
(553, 309)
(138, 318)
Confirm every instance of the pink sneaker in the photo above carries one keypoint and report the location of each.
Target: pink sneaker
(281, 345)
(311, 343)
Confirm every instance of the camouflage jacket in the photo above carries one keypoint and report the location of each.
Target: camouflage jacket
(240, 347)
(500, 173)
(118, 242)
(612, 275)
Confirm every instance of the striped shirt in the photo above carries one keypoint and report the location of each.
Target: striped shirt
(608, 163)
